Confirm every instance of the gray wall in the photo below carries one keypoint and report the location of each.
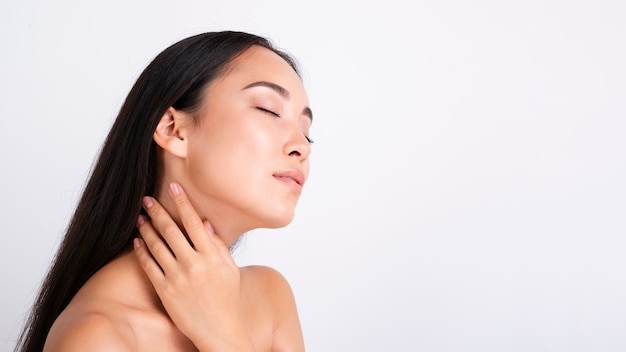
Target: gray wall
(467, 190)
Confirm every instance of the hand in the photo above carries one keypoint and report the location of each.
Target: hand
(198, 284)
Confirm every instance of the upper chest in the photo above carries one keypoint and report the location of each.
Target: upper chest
(154, 331)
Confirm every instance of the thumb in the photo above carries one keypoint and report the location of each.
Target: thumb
(217, 240)
(220, 244)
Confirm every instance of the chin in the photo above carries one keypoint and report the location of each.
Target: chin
(278, 219)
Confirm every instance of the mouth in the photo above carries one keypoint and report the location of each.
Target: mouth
(292, 177)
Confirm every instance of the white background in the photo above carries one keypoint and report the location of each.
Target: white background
(468, 185)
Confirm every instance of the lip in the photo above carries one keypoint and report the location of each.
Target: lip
(293, 177)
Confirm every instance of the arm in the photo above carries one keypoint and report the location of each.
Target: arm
(287, 332)
(199, 285)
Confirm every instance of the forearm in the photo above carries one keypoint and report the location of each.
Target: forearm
(234, 339)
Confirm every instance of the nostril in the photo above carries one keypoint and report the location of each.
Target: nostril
(295, 153)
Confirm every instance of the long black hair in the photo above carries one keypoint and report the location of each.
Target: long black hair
(104, 222)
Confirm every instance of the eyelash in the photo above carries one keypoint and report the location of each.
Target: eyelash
(268, 111)
(309, 140)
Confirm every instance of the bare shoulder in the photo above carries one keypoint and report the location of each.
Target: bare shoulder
(266, 282)
(264, 276)
(87, 332)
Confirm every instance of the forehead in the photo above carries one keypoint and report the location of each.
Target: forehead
(256, 56)
(261, 64)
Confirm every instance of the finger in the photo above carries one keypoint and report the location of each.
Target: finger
(148, 264)
(164, 225)
(155, 246)
(198, 232)
(221, 246)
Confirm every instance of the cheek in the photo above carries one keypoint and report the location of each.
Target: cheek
(233, 158)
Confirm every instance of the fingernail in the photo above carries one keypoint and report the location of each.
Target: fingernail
(140, 220)
(147, 202)
(208, 226)
(174, 190)
(136, 243)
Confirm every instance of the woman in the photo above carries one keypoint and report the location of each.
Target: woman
(215, 130)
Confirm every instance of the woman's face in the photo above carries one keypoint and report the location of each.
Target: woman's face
(248, 154)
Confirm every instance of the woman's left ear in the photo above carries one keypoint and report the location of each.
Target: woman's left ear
(172, 131)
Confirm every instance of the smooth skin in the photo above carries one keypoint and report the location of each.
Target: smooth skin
(228, 168)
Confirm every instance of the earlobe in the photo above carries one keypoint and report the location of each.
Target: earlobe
(170, 133)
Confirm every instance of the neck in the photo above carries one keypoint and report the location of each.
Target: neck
(229, 231)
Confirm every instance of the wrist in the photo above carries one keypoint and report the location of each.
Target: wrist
(232, 339)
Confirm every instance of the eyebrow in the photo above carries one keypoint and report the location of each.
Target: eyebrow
(282, 92)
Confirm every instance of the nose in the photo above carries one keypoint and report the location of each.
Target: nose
(298, 145)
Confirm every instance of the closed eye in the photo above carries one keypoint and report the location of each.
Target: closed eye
(309, 140)
(267, 111)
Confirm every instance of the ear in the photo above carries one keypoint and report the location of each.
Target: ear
(172, 131)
